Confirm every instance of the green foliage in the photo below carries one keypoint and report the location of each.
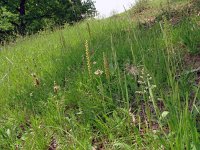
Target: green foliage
(6, 27)
(6, 18)
(32, 16)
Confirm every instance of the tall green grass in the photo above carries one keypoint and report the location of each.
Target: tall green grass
(142, 106)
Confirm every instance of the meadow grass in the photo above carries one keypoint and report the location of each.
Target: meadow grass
(118, 90)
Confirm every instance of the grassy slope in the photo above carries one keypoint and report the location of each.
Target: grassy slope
(95, 111)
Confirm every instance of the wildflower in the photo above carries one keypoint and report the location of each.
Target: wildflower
(141, 77)
(153, 86)
(139, 92)
(88, 57)
(133, 70)
(56, 87)
(31, 94)
(35, 79)
(141, 82)
(142, 71)
(98, 72)
(164, 114)
(132, 116)
(94, 63)
(37, 82)
(33, 75)
(154, 131)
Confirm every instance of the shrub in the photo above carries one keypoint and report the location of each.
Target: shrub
(6, 26)
(140, 6)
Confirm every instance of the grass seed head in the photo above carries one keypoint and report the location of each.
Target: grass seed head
(87, 53)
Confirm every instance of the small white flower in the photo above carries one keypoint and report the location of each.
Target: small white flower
(8, 132)
(153, 86)
(94, 63)
(139, 92)
(56, 87)
(31, 94)
(164, 114)
(141, 77)
(154, 131)
(141, 82)
(98, 72)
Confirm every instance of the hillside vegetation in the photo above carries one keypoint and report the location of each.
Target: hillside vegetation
(127, 82)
